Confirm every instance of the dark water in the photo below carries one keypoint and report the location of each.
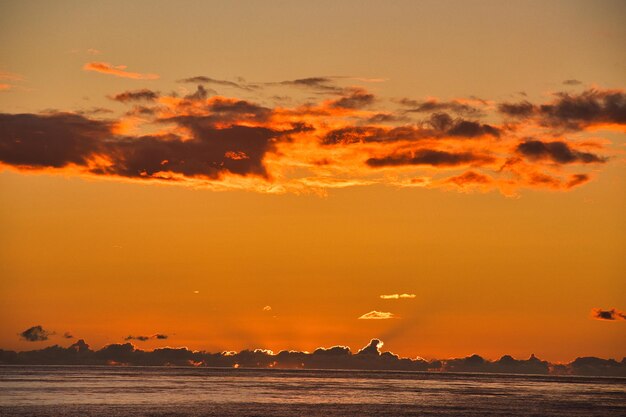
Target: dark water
(141, 391)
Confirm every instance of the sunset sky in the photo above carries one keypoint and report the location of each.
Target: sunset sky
(257, 174)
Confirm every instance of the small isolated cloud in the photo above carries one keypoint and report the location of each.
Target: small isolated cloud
(572, 82)
(267, 308)
(35, 334)
(158, 336)
(94, 51)
(68, 335)
(136, 95)
(377, 315)
(396, 296)
(117, 70)
(610, 315)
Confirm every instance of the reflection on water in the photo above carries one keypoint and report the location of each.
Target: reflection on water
(125, 391)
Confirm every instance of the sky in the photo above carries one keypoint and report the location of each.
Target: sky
(256, 174)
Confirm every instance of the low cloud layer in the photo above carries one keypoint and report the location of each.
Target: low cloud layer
(348, 137)
(371, 356)
(158, 336)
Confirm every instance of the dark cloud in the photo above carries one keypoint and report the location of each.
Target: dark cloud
(443, 123)
(35, 334)
(469, 178)
(58, 140)
(572, 82)
(50, 140)
(559, 152)
(433, 105)
(383, 118)
(370, 357)
(429, 157)
(136, 95)
(207, 80)
(157, 336)
(522, 109)
(574, 111)
(611, 315)
(321, 84)
(201, 93)
(68, 335)
(356, 99)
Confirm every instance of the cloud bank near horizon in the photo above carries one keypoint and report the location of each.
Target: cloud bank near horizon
(370, 357)
(347, 137)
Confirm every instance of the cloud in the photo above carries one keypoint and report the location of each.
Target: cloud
(157, 336)
(204, 140)
(201, 79)
(136, 95)
(267, 308)
(369, 357)
(572, 82)
(35, 334)
(429, 157)
(559, 152)
(321, 84)
(117, 70)
(93, 51)
(593, 107)
(377, 315)
(610, 315)
(397, 296)
(355, 99)
(63, 140)
(461, 107)
(68, 335)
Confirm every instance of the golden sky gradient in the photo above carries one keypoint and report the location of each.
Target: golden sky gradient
(176, 168)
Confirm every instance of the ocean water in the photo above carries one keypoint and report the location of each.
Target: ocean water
(88, 391)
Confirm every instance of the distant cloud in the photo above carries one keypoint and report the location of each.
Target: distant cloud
(267, 308)
(377, 315)
(35, 334)
(397, 296)
(68, 335)
(201, 79)
(610, 315)
(556, 151)
(117, 70)
(158, 336)
(369, 357)
(572, 82)
(136, 95)
(93, 51)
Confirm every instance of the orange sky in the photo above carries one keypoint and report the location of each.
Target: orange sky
(181, 179)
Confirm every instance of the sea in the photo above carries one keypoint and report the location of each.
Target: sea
(86, 391)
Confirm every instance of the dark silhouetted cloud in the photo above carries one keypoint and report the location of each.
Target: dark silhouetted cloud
(434, 106)
(35, 334)
(559, 152)
(611, 315)
(136, 95)
(429, 157)
(572, 82)
(356, 99)
(370, 357)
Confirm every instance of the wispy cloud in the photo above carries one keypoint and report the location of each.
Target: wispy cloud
(158, 336)
(117, 70)
(397, 296)
(377, 315)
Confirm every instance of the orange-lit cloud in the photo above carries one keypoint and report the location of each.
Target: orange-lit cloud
(117, 70)
(353, 138)
(377, 315)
